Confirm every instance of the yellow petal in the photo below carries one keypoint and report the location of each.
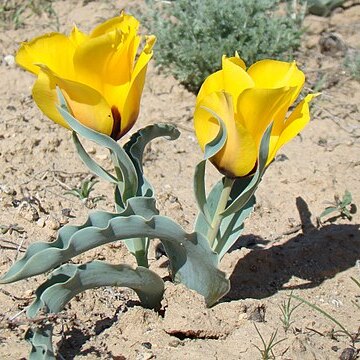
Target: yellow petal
(274, 74)
(280, 115)
(77, 36)
(45, 97)
(86, 104)
(236, 80)
(109, 54)
(127, 97)
(238, 156)
(213, 83)
(145, 55)
(257, 108)
(238, 61)
(232, 79)
(123, 23)
(53, 50)
(131, 106)
(293, 125)
(105, 59)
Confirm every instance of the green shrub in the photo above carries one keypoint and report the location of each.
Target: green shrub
(192, 35)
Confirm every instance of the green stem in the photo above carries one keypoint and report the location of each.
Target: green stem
(216, 222)
(140, 255)
(137, 246)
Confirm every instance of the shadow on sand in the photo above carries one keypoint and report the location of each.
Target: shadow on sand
(314, 256)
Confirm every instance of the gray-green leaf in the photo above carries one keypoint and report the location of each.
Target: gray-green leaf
(135, 149)
(192, 262)
(231, 225)
(129, 181)
(69, 280)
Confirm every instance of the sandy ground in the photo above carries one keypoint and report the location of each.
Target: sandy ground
(282, 249)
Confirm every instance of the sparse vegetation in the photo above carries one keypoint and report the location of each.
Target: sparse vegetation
(352, 63)
(267, 348)
(13, 13)
(84, 190)
(353, 336)
(193, 35)
(286, 311)
(344, 207)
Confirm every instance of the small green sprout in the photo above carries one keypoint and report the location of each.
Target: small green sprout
(286, 311)
(83, 192)
(344, 207)
(267, 350)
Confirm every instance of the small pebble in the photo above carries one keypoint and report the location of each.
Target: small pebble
(41, 222)
(11, 108)
(257, 313)
(145, 356)
(28, 293)
(66, 212)
(64, 220)
(28, 212)
(331, 44)
(101, 156)
(281, 157)
(53, 224)
(348, 354)
(174, 343)
(9, 60)
(7, 189)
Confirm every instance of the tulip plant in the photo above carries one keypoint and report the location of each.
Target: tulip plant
(92, 85)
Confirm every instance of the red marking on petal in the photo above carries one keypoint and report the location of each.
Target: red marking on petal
(115, 133)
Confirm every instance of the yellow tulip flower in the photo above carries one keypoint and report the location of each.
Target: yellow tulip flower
(248, 101)
(98, 73)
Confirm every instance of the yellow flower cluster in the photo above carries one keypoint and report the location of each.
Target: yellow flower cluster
(102, 78)
(98, 73)
(248, 101)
